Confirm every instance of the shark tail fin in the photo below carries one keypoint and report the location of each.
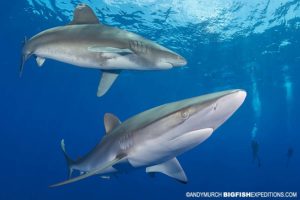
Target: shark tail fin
(93, 172)
(69, 161)
(24, 57)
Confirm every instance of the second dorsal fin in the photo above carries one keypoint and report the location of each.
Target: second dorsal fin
(110, 122)
(83, 14)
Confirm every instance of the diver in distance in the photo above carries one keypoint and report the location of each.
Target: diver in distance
(289, 154)
(255, 151)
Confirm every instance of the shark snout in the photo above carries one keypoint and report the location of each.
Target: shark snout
(172, 59)
(226, 105)
(229, 102)
(212, 110)
(237, 97)
(178, 61)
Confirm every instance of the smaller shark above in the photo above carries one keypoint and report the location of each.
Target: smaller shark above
(154, 138)
(86, 42)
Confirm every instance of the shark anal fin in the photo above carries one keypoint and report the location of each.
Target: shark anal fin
(83, 14)
(110, 122)
(91, 173)
(107, 79)
(40, 61)
(171, 168)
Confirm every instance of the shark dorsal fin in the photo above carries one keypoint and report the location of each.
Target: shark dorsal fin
(110, 122)
(83, 14)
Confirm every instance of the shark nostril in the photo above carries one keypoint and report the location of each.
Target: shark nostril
(215, 106)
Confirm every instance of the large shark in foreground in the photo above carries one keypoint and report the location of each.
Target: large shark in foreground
(85, 42)
(154, 138)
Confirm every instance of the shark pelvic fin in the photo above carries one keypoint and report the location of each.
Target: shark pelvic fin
(110, 122)
(83, 14)
(171, 168)
(93, 172)
(69, 161)
(40, 61)
(107, 79)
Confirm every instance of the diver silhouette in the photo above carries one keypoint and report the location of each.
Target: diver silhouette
(289, 154)
(255, 150)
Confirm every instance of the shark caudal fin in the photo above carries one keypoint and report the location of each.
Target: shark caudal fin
(69, 161)
(21, 66)
(116, 160)
(24, 57)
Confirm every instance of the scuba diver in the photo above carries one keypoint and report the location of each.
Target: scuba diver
(289, 154)
(255, 150)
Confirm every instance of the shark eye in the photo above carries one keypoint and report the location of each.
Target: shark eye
(185, 114)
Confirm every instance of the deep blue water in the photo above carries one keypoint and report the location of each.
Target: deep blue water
(253, 45)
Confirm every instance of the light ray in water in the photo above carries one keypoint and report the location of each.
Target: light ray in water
(256, 104)
(288, 87)
(254, 131)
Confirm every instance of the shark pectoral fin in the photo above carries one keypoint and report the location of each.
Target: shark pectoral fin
(189, 140)
(83, 14)
(107, 79)
(91, 173)
(103, 49)
(40, 61)
(171, 168)
(110, 122)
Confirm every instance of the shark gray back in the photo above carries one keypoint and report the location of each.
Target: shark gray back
(85, 42)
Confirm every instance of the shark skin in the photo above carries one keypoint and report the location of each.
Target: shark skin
(154, 138)
(86, 42)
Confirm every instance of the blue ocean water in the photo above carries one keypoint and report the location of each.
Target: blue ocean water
(253, 45)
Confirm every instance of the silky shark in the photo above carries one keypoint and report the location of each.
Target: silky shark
(86, 42)
(154, 138)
